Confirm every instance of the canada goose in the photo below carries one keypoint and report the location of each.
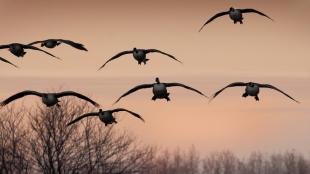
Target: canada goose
(235, 15)
(52, 43)
(139, 55)
(105, 116)
(252, 89)
(19, 49)
(6, 61)
(49, 99)
(159, 89)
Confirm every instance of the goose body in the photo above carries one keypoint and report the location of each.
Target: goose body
(52, 43)
(17, 50)
(236, 15)
(252, 89)
(159, 90)
(106, 116)
(49, 99)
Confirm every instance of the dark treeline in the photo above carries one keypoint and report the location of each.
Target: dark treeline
(38, 141)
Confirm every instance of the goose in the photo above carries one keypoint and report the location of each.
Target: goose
(139, 55)
(49, 99)
(105, 116)
(159, 90)
(235, 15)
(52, 43)
(6, 61)
(19, 49)
(252, 89)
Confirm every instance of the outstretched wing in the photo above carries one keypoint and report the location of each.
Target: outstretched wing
(38, 49)
(4, 46)
(72, 93)
(214, 17)
(83, 116)
(115, 57)
(249, 10)
(37, 42)
(73, 44)
(228, 86)
(272, 87)
(132, 113)
(158, 51)
(19, 95)
(184, 86)
(133, 90)
(6, 61)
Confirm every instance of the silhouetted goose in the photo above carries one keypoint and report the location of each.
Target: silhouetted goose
(139, 55)
(52, 43)
(6, 61)
(235, 15)
(159, 89)
(252, 89)
(49, 99)
(105, 116)
(19, 49)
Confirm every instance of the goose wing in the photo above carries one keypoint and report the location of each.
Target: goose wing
(37, 42)
(115, 57)
(133, 90)
(228, 86)
(4, 46)
(125, 110)
(6, 61)
(249, 10)
(83, 116)
(73, 44)
(38, 49)
(158, 51)
(272, 87)
(184, 86)
(19, 95)
(214, 17)
(72, 93)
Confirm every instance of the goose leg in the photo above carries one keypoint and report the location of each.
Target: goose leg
(245, 95)
(256, 98)
(145, 60)
(154, 98)
(167, 97)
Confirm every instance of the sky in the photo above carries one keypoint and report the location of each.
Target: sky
(259, 50)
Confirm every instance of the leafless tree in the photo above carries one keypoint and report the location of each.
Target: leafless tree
(13, 145)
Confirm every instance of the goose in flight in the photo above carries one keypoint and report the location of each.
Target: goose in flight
(159, 90)
(52, 43)
(49, 99)
(139, 55)
(6, 61)
(235, 15)
(105, 116)
(252, 89)
(19, 49)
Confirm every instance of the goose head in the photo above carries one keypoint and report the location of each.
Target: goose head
(135, 49)
(231, 9)
(157, 80)
(251, 84)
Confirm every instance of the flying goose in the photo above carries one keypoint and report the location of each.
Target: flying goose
(52, 43)
(252, 89)
(139, 55)
(49, 99)
(235, 15)
(159, 90)
(6, 61)
(19, 49)
(105, 116)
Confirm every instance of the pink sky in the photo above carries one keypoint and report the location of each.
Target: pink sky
(259, 50)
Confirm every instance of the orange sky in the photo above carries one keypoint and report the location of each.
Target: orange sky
(259, 50)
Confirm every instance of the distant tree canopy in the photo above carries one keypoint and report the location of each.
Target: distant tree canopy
(37, 140)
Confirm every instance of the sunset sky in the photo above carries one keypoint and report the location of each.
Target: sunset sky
(259, 50)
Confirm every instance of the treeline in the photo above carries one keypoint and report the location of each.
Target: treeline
(38, 141)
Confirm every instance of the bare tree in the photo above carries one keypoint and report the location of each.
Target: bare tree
(13, 147)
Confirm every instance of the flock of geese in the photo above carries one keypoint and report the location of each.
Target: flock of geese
(159, 88)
